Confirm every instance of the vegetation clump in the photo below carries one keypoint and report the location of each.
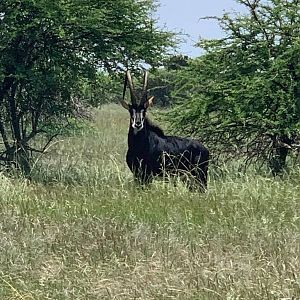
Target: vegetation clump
(242, 96)
(52, 53)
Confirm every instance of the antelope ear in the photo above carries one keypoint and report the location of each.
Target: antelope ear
(149, 102)
(124, 104)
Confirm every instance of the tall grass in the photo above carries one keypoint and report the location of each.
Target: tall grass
(83, 230)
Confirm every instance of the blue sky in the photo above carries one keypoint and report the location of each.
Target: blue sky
(184, 15)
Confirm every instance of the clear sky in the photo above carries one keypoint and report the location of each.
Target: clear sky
(184, 16)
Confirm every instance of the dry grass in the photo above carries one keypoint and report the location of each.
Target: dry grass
(83, 230)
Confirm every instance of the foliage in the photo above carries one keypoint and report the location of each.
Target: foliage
(161, 81)
(160, 86)
(49, 50)
(243, 96)
(104, 88)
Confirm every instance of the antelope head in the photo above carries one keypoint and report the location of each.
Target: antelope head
(138, 107)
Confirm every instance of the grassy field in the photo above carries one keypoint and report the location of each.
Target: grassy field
(83, 230)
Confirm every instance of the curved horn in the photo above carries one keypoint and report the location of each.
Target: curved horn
(125, 86)
(131, 87)
(145, 85)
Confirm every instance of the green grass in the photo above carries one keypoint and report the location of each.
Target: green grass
(83, 230)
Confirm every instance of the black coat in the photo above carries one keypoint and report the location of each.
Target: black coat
(151, 153)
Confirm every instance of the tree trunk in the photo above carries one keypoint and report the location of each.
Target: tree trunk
(277, 162)
(19, 159)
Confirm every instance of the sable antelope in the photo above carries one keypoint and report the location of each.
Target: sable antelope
(151, 152)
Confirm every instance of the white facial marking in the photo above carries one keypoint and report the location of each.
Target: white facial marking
(137, 120)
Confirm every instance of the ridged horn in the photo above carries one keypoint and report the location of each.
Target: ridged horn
(145, 85)
(131, 88)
